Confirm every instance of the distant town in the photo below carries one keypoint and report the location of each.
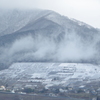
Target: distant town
(73, 80)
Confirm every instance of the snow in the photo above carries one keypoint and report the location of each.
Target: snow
(81, 23)
(46, 72)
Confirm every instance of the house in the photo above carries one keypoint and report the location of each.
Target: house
(95, 98)
(2, 88)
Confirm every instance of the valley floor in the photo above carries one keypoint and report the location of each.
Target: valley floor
(10, 96)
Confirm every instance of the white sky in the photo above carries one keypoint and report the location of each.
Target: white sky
(87, 11)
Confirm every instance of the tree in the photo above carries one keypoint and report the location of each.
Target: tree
(28, 90)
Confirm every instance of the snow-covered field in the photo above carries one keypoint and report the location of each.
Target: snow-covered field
(52, 73)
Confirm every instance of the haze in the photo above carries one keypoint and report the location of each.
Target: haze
(83, 10)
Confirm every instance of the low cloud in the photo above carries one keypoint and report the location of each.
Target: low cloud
(42, 48)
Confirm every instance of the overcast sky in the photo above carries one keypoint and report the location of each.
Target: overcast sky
(87, 11)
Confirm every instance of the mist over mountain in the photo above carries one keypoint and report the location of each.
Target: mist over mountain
(46, 36)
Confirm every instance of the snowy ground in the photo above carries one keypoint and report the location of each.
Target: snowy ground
(50, 73)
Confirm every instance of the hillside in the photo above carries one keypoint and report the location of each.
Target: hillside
(44, 35)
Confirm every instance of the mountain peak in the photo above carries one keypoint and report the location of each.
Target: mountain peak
(44, 35)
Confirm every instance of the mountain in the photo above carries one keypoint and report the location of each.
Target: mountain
(46, 36)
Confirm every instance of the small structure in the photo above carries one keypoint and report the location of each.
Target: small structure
(95, 98)
(2, 88)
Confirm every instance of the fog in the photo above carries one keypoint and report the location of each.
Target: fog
(43, 48)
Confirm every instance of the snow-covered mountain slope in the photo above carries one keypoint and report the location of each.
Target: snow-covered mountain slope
(44, 35)
(13, 20)
(63, 73)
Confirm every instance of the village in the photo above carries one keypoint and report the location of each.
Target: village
(90, 90)
(52, 79)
